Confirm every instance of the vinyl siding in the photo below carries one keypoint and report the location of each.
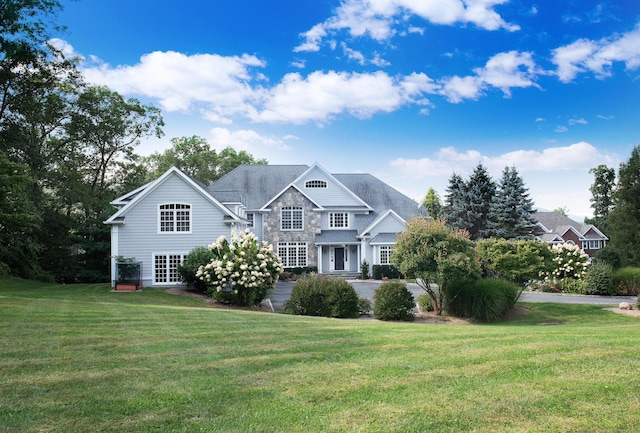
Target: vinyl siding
(139, 236)
(333, 195)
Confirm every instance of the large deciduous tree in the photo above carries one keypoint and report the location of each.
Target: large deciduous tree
(602, 190)
(624, 219)
(435, 254)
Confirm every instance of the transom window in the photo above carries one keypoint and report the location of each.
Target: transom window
(291, 218)
(175, 217)
(293, 254)
(339, 220)
(315, 184)
(165, 268)
(385, 254)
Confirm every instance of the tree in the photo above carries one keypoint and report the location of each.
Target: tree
(433, 203)
(195, 157)
(562, 210)
(624, 219)
(480, 193)
(435, 255)
(517, 261)
(601, 195)
(454, 210)
(510, 213)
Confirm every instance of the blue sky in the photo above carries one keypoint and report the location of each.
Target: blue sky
(410, 91)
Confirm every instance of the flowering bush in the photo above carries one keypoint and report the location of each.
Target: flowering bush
(569, 261)
(242, 271)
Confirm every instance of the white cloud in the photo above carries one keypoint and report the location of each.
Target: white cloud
(561, 129)
(579, 121)
(586, 55)
(246, 139)
(377, 19)
(503, 71)
(322, 95)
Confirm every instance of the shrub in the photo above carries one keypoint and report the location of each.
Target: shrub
(517, 261)
(364, 306)
(627, 281)
(425, 302)
(569, 261)
(385, 271)
(199, 256)
(328, 297)
(483, 300)
(608, 255)
(364, 270)
(599, 280)
(393, 301)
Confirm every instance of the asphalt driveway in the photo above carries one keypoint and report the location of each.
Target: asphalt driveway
(366, 289)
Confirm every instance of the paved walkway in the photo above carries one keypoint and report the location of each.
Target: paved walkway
(366, 289)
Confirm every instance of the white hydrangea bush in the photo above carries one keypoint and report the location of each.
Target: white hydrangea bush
(569, 261)
(247, 267)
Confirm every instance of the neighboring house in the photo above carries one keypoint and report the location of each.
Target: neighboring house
(311, 217)
(556, 228)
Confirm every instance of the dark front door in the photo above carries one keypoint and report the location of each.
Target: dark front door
(339, 258)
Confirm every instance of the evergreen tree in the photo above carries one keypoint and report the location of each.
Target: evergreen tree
(601, 195)
(433, 203)
(510, 213)
(480, 193)
(454, 210)
(624, 219)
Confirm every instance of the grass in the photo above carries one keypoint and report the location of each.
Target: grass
(82, 358)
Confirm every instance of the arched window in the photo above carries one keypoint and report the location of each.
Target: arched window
(315, 184)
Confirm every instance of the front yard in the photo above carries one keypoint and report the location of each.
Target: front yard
(82, 358)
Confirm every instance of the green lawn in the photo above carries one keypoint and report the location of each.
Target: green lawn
(80, 358)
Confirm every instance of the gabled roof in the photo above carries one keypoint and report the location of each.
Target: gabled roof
(389, 213)
(131, 200)
(559, 224)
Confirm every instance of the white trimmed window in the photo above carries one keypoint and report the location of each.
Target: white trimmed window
(249, 217)
(315, 184)
(591, 245)
(291, 218)
(293, 254)
(174, 218)
(385, 254)
(165, 268)
(338, 220)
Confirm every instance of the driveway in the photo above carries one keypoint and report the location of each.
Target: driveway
(366, 289)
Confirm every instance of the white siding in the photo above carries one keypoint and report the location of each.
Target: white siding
(388, 225)
(333, 195)
(139, 236)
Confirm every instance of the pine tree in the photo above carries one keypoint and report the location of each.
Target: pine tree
(454, 210)
(433, 203)
(624, 219)
(480, 192)
(601, 195)
(510, 215)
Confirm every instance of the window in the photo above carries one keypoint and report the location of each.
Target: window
(291, 218)
(250, 219)
(385, 254)
(293, 254)
(594, 245)
(315, 184)
(165, 268)
(175, 217)
(338, 220)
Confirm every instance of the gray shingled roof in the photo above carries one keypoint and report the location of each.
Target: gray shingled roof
(559, 223)
(337, 237)
(384, 238)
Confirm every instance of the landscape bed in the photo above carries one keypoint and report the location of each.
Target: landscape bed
(81, 358)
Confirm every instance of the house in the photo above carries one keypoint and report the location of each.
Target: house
(556, 228)
(311, 217)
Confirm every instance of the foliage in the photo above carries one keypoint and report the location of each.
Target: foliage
(425, 302)
(454, 210)
(433, 203)
(243, 266)
(195, 156)
(364, 270)
(516, 261)
(608, 255)
(486, 300)
(624, 219)
(601, 195)
(364, 306)
(554, 285)
(393, 301)
(569, 261)
(196, 258)
(481, 192)
(328, 297)
(627, 281)
(599, 280)
(510, 213)
(385, 271)
(435, 254)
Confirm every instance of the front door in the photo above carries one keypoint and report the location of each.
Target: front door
(339, 259)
